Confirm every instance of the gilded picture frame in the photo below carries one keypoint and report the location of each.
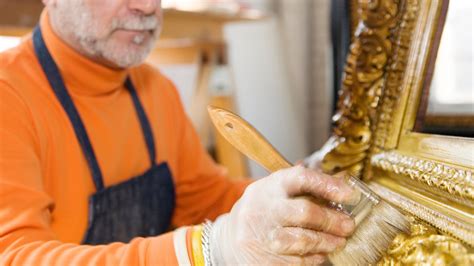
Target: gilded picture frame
(429, 177)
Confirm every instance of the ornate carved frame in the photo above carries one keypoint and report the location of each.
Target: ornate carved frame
(429, 177)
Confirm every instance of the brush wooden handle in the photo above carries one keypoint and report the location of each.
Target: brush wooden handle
(245, 138)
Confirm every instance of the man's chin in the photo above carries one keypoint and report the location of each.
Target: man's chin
(125, 61)
(126, 56)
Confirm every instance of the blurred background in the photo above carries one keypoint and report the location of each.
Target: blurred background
(277, 63)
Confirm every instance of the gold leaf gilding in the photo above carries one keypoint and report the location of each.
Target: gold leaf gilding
(425, 246)
(366, 129)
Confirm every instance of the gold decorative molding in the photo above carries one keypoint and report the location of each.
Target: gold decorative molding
(394, 84)
(426, 246)
(379, 45)
(457, 183)
(461, 230)
(392, 53)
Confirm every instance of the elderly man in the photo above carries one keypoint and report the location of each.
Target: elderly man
(98, 160)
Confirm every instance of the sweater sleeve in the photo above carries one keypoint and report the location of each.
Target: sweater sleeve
(26, 237)
(203, 189)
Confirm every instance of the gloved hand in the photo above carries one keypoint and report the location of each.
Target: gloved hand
(278, 221)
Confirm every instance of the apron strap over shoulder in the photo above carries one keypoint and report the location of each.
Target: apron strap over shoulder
(144, 121)
(57, 84)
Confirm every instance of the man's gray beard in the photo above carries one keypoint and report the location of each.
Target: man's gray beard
(73, 18)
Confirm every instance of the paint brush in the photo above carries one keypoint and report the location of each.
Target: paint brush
(377, 222)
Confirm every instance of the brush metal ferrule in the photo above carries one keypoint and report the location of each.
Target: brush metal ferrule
(362, 208)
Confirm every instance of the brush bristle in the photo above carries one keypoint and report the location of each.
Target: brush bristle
(372, 237)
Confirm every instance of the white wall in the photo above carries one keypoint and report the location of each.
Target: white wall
(264, 93)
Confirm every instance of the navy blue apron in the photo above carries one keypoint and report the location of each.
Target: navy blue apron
(141, 206)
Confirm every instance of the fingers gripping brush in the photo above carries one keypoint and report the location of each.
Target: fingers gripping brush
(377, 222)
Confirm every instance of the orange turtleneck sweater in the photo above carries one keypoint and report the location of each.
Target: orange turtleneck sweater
(45, 181)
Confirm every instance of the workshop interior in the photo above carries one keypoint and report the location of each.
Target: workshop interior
(381, 90)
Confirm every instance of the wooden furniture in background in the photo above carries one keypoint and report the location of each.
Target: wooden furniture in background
(198, 37)
(208, 56)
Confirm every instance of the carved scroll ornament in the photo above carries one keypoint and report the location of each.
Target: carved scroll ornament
(362, 84)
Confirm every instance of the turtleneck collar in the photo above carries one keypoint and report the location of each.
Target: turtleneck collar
(81, 74)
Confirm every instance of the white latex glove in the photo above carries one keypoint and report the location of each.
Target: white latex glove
(277, 221)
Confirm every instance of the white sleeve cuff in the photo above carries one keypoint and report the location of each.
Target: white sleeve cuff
(181, 250)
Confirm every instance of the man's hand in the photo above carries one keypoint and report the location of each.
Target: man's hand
(278, 220)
